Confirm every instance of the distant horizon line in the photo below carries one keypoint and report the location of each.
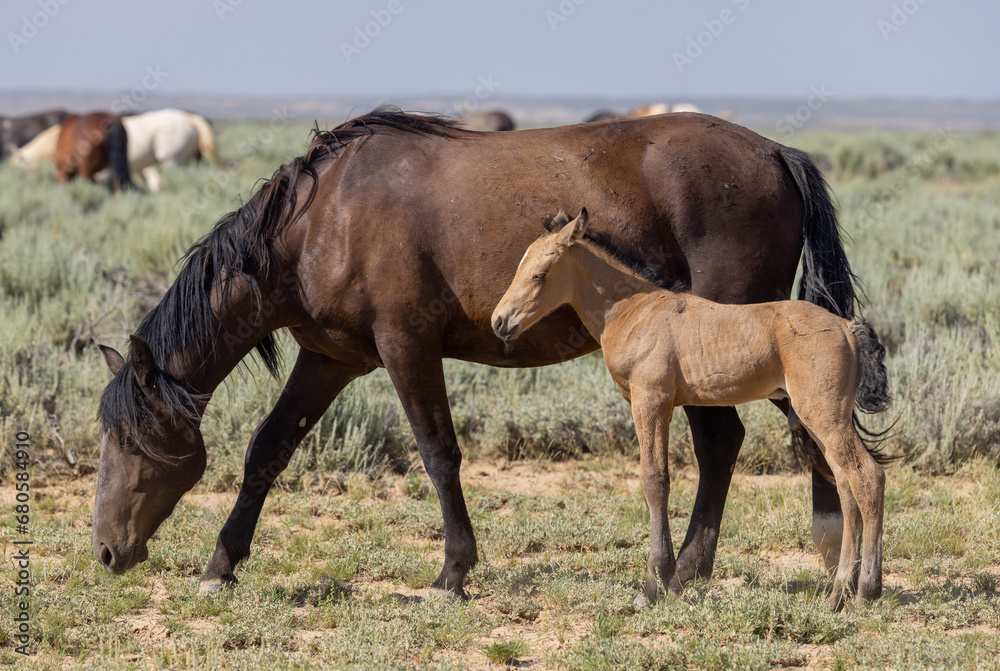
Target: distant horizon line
(507, 96)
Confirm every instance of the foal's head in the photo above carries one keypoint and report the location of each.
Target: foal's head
(542, 283)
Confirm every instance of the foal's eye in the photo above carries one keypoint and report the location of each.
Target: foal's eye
(538, 278)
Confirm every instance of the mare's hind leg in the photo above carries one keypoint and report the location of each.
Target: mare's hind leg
(314, 383)
(418, 377)
(717, 434)
(652, 413)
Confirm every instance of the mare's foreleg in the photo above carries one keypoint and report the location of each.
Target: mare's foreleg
(418, 376)
(314, 383)
(652, 415)
(717, 434)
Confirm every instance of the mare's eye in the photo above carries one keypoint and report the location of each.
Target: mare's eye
(126, 441)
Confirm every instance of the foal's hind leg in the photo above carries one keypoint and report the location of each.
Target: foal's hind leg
(652, 415)
(717, 434)
(314, 383)
(861, 483)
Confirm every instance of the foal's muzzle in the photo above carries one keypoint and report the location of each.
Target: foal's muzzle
(503, 328)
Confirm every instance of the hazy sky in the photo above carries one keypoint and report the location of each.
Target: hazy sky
(656, 50)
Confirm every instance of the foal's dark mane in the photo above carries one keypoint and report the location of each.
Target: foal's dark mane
(633, 260)
(241, 247)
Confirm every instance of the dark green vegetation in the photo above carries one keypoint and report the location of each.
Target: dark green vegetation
(77, 265)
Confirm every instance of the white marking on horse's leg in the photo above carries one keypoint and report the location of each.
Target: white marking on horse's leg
(302, 422)
(827, 534)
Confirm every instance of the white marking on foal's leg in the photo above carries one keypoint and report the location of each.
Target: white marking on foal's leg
(302, 422)
(827, 533)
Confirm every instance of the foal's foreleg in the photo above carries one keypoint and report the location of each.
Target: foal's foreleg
(652, 423)
(314, 383)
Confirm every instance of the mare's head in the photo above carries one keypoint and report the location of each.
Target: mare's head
(543, 281)
(152, 453)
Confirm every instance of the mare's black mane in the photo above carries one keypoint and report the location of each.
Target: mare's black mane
(239, 248)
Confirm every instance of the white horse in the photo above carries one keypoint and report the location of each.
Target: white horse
(169, 137)
(40, 148)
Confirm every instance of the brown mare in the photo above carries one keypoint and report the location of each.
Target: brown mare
(87, 144)
(666, 349)
(389, 244)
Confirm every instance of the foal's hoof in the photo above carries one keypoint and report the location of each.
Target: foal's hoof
(213, 585)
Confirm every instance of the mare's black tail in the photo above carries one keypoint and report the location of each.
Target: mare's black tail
(827, 279)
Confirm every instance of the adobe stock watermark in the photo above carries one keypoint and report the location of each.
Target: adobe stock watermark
(899, 17)
(483, 91)
(910, 174)
(130, 101)
(363, 35)
(223, 7)
(704, 39)
(221, 177)
(793, 121)
(31, 25)
(562, 12)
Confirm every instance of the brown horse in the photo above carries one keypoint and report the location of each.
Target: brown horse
(87, 144)
(389, 244)
(666, 349)
(15, 132)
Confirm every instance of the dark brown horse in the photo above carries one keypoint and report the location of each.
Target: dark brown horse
(15, 132)
(389, 244)
(87, 144)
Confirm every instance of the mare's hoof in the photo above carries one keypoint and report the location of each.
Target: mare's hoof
(642, 602)
(215, 585)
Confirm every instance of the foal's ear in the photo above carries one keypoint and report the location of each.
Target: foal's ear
(576, 228)
(112, 358)
(141, 357)
(560, 220)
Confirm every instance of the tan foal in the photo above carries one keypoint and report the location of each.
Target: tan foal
(666, 349)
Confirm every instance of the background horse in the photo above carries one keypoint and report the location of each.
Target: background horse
(172, 137)
(169, 137)
(390, 214)
(483, 121)
(40, 149)
(666, 349)
(17, 131)
(90, 143)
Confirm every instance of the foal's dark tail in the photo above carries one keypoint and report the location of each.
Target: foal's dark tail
(118, 156)
(873, 392)
(827, 279)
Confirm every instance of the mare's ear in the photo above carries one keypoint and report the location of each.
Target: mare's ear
(141, 357)
(112, 358)
(575, 229)
(560, 220)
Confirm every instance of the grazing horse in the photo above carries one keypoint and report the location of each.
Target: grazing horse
(172, 137)
(169, 137)
(666, 349)
(484, 121)
(42, 147)
(90, 143)
(18, 131)
(389, 244)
